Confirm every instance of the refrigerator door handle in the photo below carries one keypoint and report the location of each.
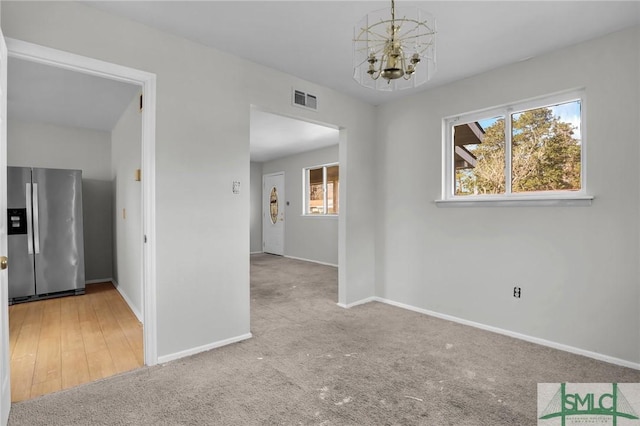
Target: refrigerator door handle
(36, 227)
(29, 216)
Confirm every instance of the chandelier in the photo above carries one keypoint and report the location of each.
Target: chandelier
(394, 53)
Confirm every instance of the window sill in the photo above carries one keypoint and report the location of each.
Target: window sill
(320, 216)
(518, 201)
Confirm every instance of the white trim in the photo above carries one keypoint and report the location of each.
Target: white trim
(517, 201)
(359, 302)
(172, 357)
(5, 357)
(70, 61)
(149, 290)
(343, 201)
(536, 340)
(321, 216)
(255, 252)
(103, 280)
(65, 60)
(128, 302)
(310, 260)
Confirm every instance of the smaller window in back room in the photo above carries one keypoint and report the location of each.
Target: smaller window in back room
(322, 190)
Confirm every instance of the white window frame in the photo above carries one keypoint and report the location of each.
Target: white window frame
(306, 188)
(448, 197)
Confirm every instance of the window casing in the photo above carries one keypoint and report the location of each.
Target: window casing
(531, 151)
(321, 190)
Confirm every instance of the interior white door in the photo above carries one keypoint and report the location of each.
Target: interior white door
(273, 213)
(5, 383)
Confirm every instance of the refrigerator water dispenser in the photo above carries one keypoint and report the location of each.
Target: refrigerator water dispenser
(17, 221)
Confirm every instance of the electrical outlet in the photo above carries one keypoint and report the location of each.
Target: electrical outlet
(517, 292)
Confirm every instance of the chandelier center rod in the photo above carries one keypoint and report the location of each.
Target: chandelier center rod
(393, 21)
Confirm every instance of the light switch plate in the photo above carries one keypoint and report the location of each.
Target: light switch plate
(236, 187)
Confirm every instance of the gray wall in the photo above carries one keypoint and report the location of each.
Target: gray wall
(577, 266)
(202, 146)
(45, 145)
(126, 158)
(255, 203)
(306, 237)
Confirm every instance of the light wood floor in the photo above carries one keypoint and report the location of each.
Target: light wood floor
(60, 343)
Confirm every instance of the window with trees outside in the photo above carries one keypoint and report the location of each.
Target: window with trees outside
(531, 149)
(322, 190)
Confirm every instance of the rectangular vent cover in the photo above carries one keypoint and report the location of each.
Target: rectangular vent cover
(305, 100)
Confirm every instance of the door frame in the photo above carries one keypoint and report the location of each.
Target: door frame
(264, 209)
(5, 358)
(147, 81)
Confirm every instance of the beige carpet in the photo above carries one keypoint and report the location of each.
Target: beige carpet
(313, 363)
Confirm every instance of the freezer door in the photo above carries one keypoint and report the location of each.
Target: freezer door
(58, 230)
(20, 246)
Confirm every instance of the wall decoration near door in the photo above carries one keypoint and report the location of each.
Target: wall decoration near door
(273, 213)
(45, 227)
(273, 205)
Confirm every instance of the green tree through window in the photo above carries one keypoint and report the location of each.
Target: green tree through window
(545, 155)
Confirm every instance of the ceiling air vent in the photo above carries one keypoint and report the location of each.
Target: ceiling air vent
(305, 100)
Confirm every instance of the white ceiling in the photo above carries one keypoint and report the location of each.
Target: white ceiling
(39, 92)
(313, 40)
(274, 136)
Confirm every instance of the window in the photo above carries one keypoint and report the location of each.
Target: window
(533, 150)
(321, 190)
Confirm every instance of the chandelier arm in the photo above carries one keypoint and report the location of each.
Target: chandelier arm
(419, 30)
(404, 66)
(377, 36)
(376, 75)
(408, 36)
(416, 29)
(374, 42)
(361, 63)
(383, 58)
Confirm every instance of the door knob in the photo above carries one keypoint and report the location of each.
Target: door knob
(4, 262)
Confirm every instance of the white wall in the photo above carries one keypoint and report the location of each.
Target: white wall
(202, 146)
(126, 158)
(36, 144)
(255, 204)
(311, 238)
(48, 145)
(577, 266)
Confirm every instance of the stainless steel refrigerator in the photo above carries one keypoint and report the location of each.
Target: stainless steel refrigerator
(45, 233)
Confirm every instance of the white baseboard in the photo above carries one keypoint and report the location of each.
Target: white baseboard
(102, 280)
(536, 340)
(135, 311)
(196, 350)
(310, 260)
(359, 302)
(256, 252)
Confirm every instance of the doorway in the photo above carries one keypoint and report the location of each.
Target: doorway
(145, 84)
(288, 148)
